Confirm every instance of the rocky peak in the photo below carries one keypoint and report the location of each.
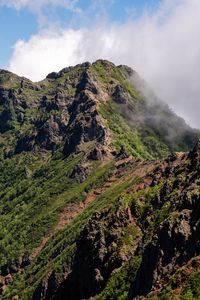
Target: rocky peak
(75, 96)
(64, 71)
(108, 65)
(95, 208)
(84, 125)
(88, 83)
(194, 156)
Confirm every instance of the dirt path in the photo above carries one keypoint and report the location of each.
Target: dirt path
(74, 209)
(66, 216)
(70, 212)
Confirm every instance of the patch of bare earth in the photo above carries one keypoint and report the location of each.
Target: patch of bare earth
(69, 213)
(66, 216)
(140, 169)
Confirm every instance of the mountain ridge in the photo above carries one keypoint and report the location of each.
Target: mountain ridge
(90, 165)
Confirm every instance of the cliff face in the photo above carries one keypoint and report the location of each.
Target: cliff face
(176, 240)
(97, 255)
(166, 241)
(95, 200)
(88, 103)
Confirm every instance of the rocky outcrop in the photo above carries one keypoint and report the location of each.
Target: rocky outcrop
(84, 124)
(194, 157)
(174, 244)
(177, 239)
(48, 134)
(11, 107)
(46, 290)
(9, 271)
(56, 115)
(85, 201)
(80, 173)
(97, 255)
(88, 82)
(98, 153)
(119, 95)
(64, 108)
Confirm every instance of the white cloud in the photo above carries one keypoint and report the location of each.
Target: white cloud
(164, 48)
(35, 5)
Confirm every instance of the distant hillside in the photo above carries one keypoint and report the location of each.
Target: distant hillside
(99, 191)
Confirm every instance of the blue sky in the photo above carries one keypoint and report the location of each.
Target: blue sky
(14, 25)
(160, 39)
(22, 23)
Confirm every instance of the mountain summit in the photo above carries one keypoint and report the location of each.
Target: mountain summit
(99, 191)
(86, 103)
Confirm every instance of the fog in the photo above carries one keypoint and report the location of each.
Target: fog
(163, 47)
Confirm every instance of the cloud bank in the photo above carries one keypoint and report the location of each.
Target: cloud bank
(163, 47)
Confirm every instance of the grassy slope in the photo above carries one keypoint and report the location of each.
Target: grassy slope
(60, 249)
(34, 191)
(141, 139)
(65, 240)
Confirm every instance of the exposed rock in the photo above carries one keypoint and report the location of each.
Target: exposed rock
(98, 153)
(95, 154)
(49, 104)
(175, 244)
(97, 255)
(8, 279)
(48, 135)
(80, 173)
(25, 260)
(26, 84)
(86, 128)
(2, 282)
(53, 75)
(88, 83)
(122, 153)
(71, 113)
(46, 290)
(8, 113)
(119, 95)
(25, 143)
(194, 156)
(126, 70)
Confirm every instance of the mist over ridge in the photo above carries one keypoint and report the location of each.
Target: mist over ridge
(163, 46)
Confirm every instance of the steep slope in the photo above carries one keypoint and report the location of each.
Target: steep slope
(176, 240)
(85, 103)
(85, 188)
(114, 239)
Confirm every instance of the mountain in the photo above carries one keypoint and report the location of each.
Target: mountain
(99, 189)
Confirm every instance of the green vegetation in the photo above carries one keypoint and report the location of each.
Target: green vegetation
(9, 80)
(37, 186)
(64, 241)
(183, 284)
(191, 288)
(128, 135)
(119, 284)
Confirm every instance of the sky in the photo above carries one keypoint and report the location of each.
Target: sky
(160, 39)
